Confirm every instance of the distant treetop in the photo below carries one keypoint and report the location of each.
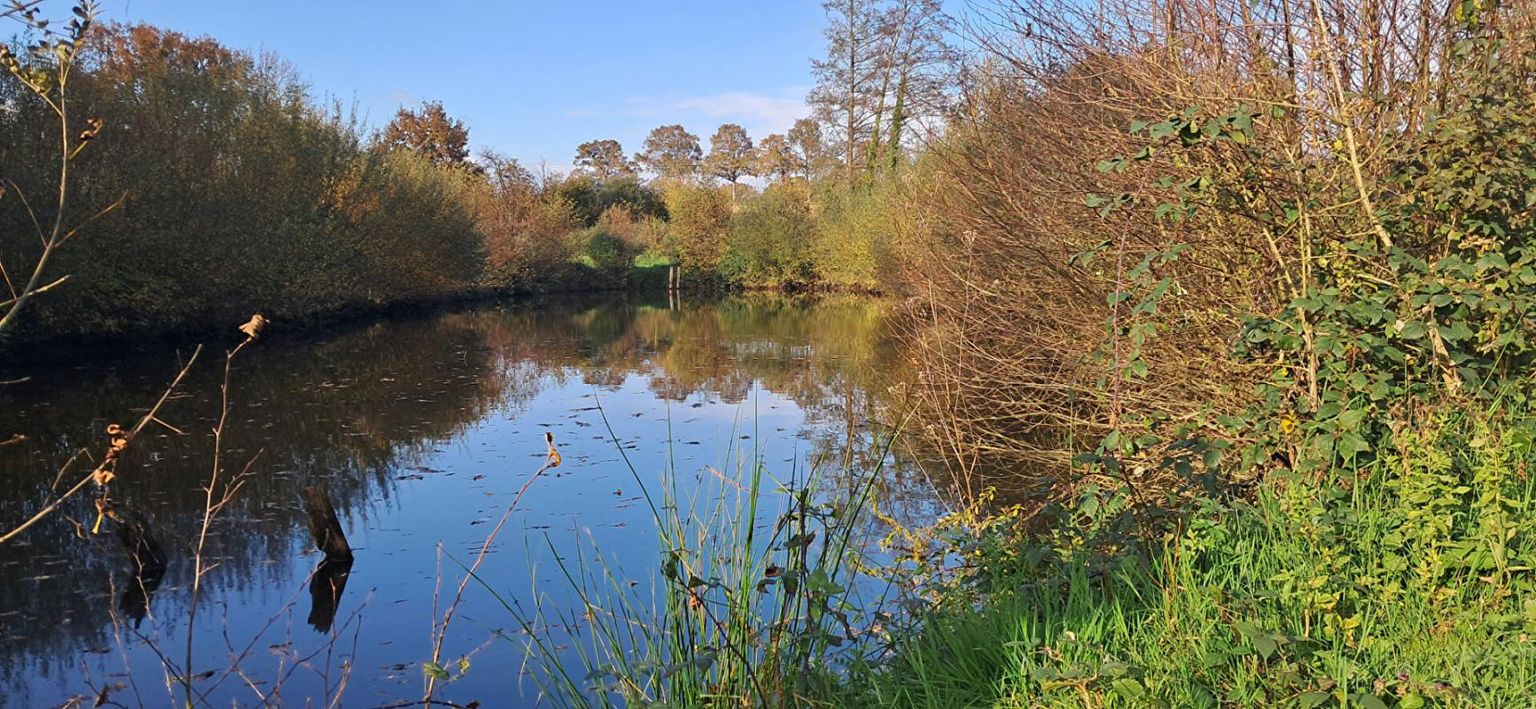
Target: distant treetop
(431, 132)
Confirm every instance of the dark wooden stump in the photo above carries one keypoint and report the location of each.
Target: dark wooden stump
(141, 588)
(324, 525)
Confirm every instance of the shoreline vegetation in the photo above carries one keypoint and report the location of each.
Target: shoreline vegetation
(231, 190)
(1221, 317)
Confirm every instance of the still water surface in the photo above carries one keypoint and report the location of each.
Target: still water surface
(422, 430)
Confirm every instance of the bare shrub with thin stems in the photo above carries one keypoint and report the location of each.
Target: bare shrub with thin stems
(433, 670)
(1061, 300)
(44, 73)
(220, 489)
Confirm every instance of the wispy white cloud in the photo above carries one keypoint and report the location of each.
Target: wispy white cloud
(401, 96)
(760, 112)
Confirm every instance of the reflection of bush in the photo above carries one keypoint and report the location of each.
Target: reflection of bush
(353, 409)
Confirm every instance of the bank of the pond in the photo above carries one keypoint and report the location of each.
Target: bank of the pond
(1404, 581)
(642, 282)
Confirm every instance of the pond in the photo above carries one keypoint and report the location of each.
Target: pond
(422, 430)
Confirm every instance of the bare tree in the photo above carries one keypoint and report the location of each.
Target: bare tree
(847, 80)
(915, 69)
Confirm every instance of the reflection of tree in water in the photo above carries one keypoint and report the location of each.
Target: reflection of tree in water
(348, 411)
(355, 410)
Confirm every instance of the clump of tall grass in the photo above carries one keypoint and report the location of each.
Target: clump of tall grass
(756, 600)
(1406, 580)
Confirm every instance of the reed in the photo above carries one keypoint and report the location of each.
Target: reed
(758, 599)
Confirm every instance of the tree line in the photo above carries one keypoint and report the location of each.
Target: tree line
(237, 191)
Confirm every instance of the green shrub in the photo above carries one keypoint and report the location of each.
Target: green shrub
(700, 221)
(603, 250)
(769, 240)
(858, 235)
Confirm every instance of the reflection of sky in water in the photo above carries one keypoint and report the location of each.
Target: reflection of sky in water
(424, 430)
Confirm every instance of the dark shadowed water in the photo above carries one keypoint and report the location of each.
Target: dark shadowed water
(422, 430)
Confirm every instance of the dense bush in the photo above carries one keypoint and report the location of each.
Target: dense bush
(1135, 246)
(590, 197)
(770, 239)
(603, 250)
(525, 229)
(863, 236)
(240, 196)
(700, 222)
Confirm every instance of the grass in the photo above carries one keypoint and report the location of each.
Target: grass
(1404, 582)
(651, 258)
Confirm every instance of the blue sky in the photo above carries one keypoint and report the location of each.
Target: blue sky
(532, 79)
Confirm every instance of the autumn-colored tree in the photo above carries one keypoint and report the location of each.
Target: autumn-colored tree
(431, 132)
(671, 152)
(731, 155)
(243, 195)
(809, 150)
(603, 159)
(701, 218)
(775, 158)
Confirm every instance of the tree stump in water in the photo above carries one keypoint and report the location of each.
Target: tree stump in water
(324, 525)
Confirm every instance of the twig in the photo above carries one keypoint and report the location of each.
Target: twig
(210, 509)
(441, 631)
(130, 436)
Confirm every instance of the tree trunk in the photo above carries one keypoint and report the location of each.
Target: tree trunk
(324, 525)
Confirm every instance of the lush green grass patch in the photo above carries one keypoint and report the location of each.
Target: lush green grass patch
(1405, 582)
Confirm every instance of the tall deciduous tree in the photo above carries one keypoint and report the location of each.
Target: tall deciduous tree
(504, 173)
(915, 66)
(847, 80)
(671, 152)
(604, 159)
(731, 156)
(809, 151)
(775, 158)
(431, 132)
